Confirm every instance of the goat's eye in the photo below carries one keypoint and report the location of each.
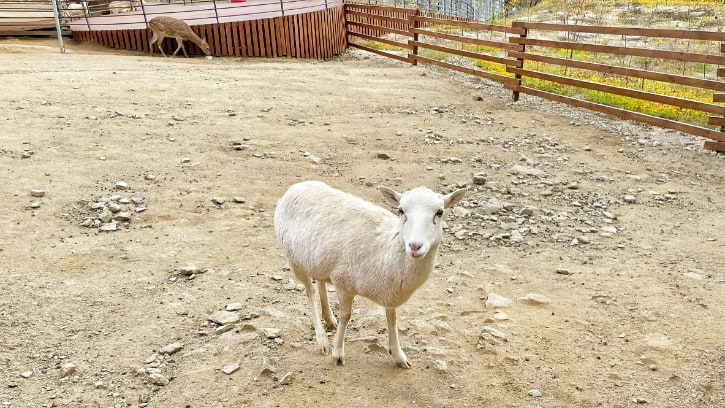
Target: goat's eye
(439, 213)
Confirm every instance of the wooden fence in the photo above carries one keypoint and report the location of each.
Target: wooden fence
(318, 34)
(372, 23)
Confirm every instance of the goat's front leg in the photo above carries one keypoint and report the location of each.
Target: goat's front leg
(338, 346)
(394, 343)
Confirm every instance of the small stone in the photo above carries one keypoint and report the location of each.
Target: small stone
(535, 393)
(114, 207)
(493, 301)
(271, 333)
(441, 366)
(287, 378)
(562, 271)
(383, 156)
(526, 171)
(223, 329)
(239, 200)
(171, 348)
(99, 385)
(218, 200)
(630, 198)
(185, 160)
(224, 317)
(639, 401)
(67, 369)
(516, 236)
(230, 369)
(609, 229)
(500, 315)
(609, 215)
(26, 374)
(150, 177)
(158, 379)
(108, 227)
(461, 212)
(535, 299)
(122, 216)
(189, 269)
(233, 306)
(35, 204)
(26, 155)
(479, 179)
(37, 193)
(121, 185)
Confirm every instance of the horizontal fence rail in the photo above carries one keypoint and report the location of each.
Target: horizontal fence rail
(548, 68)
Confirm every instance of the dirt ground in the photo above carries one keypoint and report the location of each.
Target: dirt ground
(636, 310)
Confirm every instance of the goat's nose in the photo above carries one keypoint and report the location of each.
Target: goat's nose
(414, 247)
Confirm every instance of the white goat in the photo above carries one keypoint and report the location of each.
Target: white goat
(334, 237)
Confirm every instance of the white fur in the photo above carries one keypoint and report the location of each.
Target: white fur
(334, 237)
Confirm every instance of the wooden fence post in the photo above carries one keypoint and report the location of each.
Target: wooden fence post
(519, 24)
(416, 24)
(713, 120)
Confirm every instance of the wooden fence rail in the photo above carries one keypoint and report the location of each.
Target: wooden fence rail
(515, 59)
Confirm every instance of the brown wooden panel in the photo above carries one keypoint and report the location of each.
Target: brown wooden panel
(249, 42)
(299, 38)
(718, 97)
(638, 52)
(379, 28)
(632, 93)
(716, 146)
(132, 39)
(284, 36)
(379, 9)
(483, 74)
(722, 48)
(468, 40)
(228, 47)
(314, 34)
(469, 54)
(468, 24)
(401, 22)
(639, 32)
(716, 121)
(611, 69)
(383, 53)
(382, 40)
(622, 113)
(721, 72)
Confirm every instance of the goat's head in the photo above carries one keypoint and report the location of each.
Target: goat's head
(205, 46)
(421, 213)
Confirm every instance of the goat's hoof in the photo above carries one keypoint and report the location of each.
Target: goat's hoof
(324, 348)
(340, 361)
(404, 364)
(331, 324)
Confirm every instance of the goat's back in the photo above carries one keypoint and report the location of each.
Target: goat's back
(319, 226)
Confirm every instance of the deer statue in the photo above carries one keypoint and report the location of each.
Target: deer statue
(163, 27)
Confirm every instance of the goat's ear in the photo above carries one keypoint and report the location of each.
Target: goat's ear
(392, 196)
(453, 198)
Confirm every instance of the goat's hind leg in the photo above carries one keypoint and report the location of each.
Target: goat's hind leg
(327, 314)
(310, 289)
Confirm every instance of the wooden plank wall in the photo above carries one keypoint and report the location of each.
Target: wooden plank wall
(320, 34)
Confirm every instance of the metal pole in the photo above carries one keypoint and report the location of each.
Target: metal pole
(143, 11)
(57, 27)
(215, 12)
(86, 13)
